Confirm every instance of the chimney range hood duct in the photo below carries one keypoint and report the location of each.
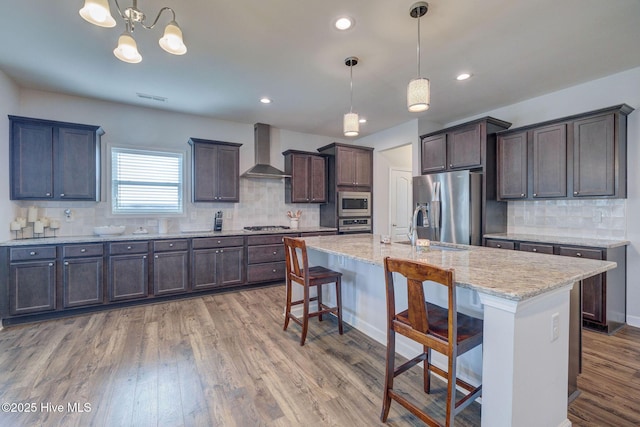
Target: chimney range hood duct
(262, 147)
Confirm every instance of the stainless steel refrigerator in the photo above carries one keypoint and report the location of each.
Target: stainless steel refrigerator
(449, 207)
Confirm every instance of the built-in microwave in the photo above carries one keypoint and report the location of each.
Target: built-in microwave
(354, 203)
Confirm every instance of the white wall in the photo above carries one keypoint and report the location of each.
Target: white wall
(153, 128)
(9, 94)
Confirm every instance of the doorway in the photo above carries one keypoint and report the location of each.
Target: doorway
(398, 162)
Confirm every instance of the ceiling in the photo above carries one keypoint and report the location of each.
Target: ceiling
(241, 50)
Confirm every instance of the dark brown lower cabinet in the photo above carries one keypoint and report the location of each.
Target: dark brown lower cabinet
(32, 279)
(82, 275)
(170, 266)
(214, 264)
(128, 271)
(603, 295)
(265, 258)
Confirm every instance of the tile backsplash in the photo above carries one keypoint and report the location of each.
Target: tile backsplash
(597, 218)
(261, 203)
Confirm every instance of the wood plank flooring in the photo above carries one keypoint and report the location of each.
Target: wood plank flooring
(223, 360)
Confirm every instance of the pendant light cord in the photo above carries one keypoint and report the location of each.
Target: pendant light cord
(351, 86)
(418, 50)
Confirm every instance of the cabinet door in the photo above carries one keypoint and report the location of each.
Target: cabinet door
(227, 174)
(434, 153)
(128, 277)
(363, 168)
(170, 272)
(594, 159)
(593, 288)
(512, 166)
(345, 161)
(31, 161)
(465, 147)
(230, 265)
(318, 178)
(204, 160)
(300, 164)
(203, 269)
(82, 282)
(75, 162)
(32, 287)
(500, 244)
(550, 161)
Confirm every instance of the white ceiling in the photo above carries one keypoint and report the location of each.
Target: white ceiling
(240, 50)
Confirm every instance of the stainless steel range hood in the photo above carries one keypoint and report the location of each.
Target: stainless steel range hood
(262, 168)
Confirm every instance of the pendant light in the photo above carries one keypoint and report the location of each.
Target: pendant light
(418, 90)
(351, 125)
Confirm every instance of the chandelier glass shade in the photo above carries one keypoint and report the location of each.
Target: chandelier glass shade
(98, 13)
(419, 89)
(351, 122)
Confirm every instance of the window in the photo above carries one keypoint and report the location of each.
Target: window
(146, 181)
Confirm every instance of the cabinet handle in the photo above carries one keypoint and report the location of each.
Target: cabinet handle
(498, 245)
(32, 253)
(450, 165)
(534, 250)
(217, 252)
(61, 194)
(535, 194)
(275, 252)
(575, 192)
(578, 254)
(274, 270)
(221, 250)
(129, 248)
(156, 257)
(48, 194)
(218, 241)
(83, 250)
(65, 263)
(50, 264)
(521, 194)
(170, 245)
(144, 257)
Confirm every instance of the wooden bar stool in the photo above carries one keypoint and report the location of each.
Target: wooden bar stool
(298, 271)
(444, 330)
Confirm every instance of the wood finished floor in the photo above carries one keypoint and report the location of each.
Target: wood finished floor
(224, 360)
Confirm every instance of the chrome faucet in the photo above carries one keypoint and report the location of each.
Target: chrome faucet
(413, 230)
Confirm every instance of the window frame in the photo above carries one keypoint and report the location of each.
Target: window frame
(180, 154)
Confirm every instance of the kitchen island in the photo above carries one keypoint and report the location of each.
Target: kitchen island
(523, 298)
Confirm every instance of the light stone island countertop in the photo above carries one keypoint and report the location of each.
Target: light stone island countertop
(148, 236)
(560, 240)
(513, 275)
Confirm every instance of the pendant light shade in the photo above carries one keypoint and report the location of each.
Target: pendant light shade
(172, 41)
(98, 13)
(419, 89)
(351, 122)
(418, 95)
(127, 49)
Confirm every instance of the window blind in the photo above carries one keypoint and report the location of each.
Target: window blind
(146, 181)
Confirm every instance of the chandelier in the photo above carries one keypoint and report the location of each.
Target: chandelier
(98, 13)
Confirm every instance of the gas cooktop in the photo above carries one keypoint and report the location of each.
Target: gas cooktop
(267, 228)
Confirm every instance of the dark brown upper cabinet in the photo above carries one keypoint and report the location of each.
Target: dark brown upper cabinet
(354, 166)
(512, 176)
(54, 160)
(464, 146)
(308, 181)
(215, 169)
(578, 156)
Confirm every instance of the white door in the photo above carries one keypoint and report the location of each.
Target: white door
(400, 195)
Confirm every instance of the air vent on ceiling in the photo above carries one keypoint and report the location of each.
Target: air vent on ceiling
(151, 97)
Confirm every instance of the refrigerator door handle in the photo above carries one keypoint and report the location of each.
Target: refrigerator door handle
(435, 206)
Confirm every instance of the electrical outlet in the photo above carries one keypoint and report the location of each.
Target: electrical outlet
(555, 326)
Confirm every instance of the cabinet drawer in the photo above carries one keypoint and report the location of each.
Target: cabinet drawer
(500, 244)
(72, 251)
(128, 248)
(536, 247)
(266, 272)
(270, 253)
(217, 242)
(33, 253)
(269, 239)
(170, 245)
(581, 252)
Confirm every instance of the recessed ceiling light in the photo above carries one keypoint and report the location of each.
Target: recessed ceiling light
(344, 23)
(265, 100)
(463, 76)
(362, 120)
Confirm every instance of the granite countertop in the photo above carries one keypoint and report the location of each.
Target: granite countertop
(513, 275)
(149, 236)
(560, 240)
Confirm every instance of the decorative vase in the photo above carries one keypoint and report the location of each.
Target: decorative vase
(294, 223)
